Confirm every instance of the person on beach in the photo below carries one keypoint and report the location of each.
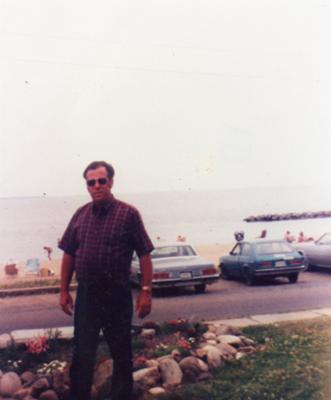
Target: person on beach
(49, 251)
(98, 246)
(288, 237)
(303, 238)
(263, 234)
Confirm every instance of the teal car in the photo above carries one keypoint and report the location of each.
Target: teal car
(260, 258)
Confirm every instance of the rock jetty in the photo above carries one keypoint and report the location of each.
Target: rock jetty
(287, 216)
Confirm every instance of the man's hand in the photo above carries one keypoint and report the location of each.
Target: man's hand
(66, 302)
(144, 303)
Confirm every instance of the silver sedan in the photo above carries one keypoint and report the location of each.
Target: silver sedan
(177, 265)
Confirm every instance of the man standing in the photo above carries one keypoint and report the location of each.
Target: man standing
(98, 245)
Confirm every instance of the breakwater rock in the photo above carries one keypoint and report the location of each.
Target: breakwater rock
(287, 216)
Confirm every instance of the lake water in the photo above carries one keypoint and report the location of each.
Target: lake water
(204, 217)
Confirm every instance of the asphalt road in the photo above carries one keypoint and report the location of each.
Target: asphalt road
(224, 299)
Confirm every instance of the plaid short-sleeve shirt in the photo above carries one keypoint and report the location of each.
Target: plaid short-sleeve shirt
(102, 240)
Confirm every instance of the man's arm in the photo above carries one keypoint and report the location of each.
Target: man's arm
(67, 270)
(144, 300)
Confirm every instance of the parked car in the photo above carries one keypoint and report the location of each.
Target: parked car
(177, 265)
(317, 253)
(260, 258)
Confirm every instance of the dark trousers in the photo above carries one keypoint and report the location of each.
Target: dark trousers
(109, 310)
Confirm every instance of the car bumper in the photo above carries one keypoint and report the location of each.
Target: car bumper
(180, 282)
(278, 272)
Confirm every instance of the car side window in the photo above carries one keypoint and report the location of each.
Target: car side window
(246, 250)
(236, 250)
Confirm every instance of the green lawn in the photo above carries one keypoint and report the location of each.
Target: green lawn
(294, 362)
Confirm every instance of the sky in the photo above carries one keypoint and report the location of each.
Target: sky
(176, 94)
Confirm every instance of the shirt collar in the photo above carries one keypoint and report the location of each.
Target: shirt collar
(102, 207)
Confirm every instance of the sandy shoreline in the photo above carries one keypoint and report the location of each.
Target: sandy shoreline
(211, 252)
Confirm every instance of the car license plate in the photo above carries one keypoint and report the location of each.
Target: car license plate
(280, 264)
(185, 275)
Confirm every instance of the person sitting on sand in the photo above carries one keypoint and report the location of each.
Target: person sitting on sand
(181, 238)
(303, 238)
(288, 237)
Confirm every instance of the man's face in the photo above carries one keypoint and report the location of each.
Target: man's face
(98, 184)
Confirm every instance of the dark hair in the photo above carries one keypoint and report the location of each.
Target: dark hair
(98, 164)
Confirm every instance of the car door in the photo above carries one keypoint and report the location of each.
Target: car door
(233, 260)
(245, 258)
(322, 252)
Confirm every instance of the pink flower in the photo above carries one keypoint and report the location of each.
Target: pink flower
(37, 346)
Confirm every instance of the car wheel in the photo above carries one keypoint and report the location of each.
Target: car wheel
(293, 278)
(200, 288)
(250, 278)
(224, 273)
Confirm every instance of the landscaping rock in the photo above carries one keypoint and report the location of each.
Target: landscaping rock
(152, 363)
(229, 339)
(59, 383)
(21, 394)
(222, 329)
(102, 378)
(209, 335)
(193, 363)
(171, 373)
(148, 333)
(226, 350)
(27, 378)
(39, 386)
(49, 395)
(248, 342)
(214, 359)
(212, 342)
(9, 384)
(147, 377)
(157, 391)
(5, 340)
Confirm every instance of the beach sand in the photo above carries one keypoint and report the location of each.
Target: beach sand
(211, 252)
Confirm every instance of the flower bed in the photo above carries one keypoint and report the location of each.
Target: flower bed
(166, 355)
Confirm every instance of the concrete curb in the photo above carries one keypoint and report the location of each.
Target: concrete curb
(66, 332)
(264, 319)
(32, 291)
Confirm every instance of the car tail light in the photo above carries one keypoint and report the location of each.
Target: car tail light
(161, 275)
(266, 264)
(296, 262)
(209, 271)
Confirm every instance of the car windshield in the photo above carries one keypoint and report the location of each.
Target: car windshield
(325, 239)
(172, 251)
(272, 248)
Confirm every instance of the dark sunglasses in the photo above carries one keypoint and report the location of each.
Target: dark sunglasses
(101, 181)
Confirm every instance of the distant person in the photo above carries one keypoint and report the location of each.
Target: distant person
(263, 234)
(49, 251)
(181, 238)
(303, 238)
(288, 237)
(98, 245)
